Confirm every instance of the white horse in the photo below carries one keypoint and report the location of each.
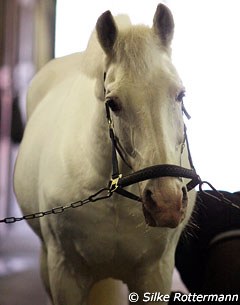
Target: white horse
(66, 155)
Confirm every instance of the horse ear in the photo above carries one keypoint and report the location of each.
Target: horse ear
(106, 32)
(163, 24)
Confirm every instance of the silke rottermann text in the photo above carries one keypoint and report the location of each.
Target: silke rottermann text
(191, 297)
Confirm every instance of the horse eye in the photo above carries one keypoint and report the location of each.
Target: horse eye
(114, 105)
(180, 96)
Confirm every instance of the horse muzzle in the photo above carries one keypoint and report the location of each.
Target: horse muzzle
(164, 202)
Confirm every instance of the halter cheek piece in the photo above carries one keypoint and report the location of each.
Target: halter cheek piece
(118, 181)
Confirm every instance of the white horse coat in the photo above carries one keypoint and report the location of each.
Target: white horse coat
(65, 155)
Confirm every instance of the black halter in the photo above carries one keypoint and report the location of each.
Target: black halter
(118, 181)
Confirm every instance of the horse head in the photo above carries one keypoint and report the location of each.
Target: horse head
(145, 95)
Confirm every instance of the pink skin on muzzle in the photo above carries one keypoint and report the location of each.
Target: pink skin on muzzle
(164, 202)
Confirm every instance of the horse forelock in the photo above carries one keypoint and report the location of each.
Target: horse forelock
(122, 21)
(136, 45)
(134, 48)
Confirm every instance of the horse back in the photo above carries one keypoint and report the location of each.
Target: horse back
(53, 73)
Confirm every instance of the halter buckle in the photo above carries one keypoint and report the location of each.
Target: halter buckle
(114, 183)
(109, 118)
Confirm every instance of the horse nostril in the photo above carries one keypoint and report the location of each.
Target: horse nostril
(179, 198)
(148, 194)
(185, 196)
(148, 198)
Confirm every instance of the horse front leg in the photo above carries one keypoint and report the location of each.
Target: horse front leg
(152, 284)
(66, 286)
(44, 270)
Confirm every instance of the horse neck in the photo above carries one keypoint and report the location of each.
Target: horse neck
(98, 146)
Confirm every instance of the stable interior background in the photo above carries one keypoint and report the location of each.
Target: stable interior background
(206, 52)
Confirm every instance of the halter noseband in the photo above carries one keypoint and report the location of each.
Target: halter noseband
(118, 181)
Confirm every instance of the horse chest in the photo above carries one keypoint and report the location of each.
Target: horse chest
(108, 232)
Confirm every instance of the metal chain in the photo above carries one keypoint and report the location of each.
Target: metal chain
(108, 193)
(60, 209)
